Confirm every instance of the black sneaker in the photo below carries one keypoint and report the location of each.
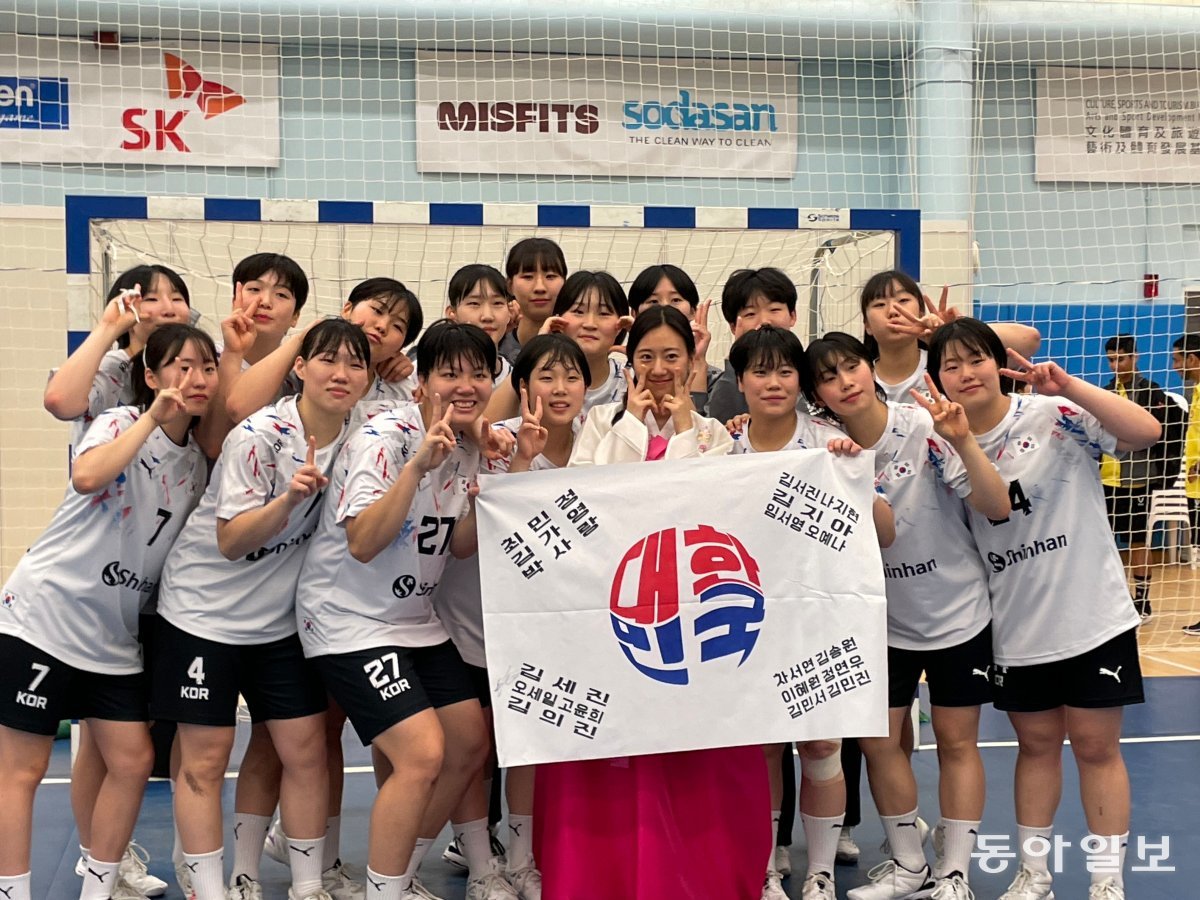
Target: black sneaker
(454, 856)
(1194, 628)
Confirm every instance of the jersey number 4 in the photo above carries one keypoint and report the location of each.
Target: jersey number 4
(1019, 501)
(431, 528)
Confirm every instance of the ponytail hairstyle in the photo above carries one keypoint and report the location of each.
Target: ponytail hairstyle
(144, 276)
(879, 286)
(824, 355)
(650, 318)
(162, 348)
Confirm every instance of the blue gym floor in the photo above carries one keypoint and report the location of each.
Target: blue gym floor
(1162, 751)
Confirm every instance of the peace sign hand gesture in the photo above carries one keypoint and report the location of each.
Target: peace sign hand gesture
(701, 333)
(925, 325)
(949, 419)
(532, 435)
(439, 441)
(679, 405)
(638, 401)
(1046, 378)
(308, 479)
(238, 329)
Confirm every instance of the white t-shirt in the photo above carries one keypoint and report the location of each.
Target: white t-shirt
(1057, 583)
(343, 605)
(249, 600)
(811, 433)
(612, 391)
(78, 590)
(899, 392)
(936, 586)
(111, 387)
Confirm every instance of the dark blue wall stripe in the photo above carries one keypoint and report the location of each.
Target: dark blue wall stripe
(345, 212)
(80, 211)
(670, 217)
(217, 210)
(553, 216)
(455, 213)
(772, 218)
(907, 225)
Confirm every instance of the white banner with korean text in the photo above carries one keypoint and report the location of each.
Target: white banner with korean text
(171, 104)
(682, 605)
(572, 115)
(1131, 125)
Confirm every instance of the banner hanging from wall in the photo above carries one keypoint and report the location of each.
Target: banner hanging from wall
(744, 606)
(70, 101)
(557, 115)
(1118, 125)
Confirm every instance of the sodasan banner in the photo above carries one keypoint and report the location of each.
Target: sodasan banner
(1133, 125)
(67, 101)
(746, 607)
(542, 115)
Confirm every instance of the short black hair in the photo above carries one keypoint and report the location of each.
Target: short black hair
(768, 346)
(163, 346)
(393, 295)
(1121, 343)
(744, 284)
(546, 350)
(330, 335)
(1188, 344)
(286, 269)
(577, 286)
(143, 277)
(974, 336)
(532, 254)
(464, 280)
(647, 280)
(446, 342)
(880, 285)
(824, 354)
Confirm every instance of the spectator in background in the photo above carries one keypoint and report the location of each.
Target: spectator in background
(1129, 480)
(1185, 359)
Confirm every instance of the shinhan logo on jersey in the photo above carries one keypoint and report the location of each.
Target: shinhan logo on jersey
(41, 104)
(686, 114)
(660, 627)
(158, 129)
(114, 576)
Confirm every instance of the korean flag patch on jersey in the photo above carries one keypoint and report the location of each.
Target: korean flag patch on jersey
(900, 468)
(1024, 444)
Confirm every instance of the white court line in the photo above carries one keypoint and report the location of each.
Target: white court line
(1171, 662)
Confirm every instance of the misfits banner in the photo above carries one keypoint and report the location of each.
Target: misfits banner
(68, 101)
(1118, 125)
(634, 609)
(542, 115)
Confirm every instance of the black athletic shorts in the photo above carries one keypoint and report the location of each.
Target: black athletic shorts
(1103, 677)
(37, 691)
(382, 687)
(483, 687)
(197, 681)
(957, 676)
(1128, 508)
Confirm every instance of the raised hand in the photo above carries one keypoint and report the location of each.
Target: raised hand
(122, 312)
(638, 401)
(738, 423)
(931, 320)
(532, 435)
(1046, 378)
(308, 479)
(439, 441)
(626, 322)
(678, 404)
(170, 403)
(238, 329)
(701, 333)
(553, 325)
(396, 369)
(949, 419)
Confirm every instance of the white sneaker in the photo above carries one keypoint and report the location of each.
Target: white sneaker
(421, 892)
(952, 887)
(491, 885)
(245, 888)
(527, 882)
(123, 890)
(847, 850)
(782, 862)
(275, 844)
(1029, 884)
(340, 884)
(135, 870)
(817, 886)
(183, 878)
(1108, 889)
(317, 895)
(891, 881)
(773, 887)
(922, 828)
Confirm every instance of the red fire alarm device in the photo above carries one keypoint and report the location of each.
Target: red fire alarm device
(1149, 286)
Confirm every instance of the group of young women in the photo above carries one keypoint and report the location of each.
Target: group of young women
(324, 569)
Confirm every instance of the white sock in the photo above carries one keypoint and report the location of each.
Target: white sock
(959, 841)
(821, 835)
(99, 879)
(905, 838)
(83, 852)
(249, 832)
(775, 815)
(1106, 856)
(420, 848)
(1033, 844)
(305, 858)
(520, 842)
(177, 847)
(208, 874)
(333, 842)
(15, 887)
(386, 887)
(475, 843)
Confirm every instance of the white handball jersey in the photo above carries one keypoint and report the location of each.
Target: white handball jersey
(811, 433)
(251, 599)
(899, 392)
(78, 590)
(343, 605)
(458, 601)
(1056, 580)
(111, 387)
(612, 391)
(937, 594)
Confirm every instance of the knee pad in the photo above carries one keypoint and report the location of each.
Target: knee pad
(825, 769)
